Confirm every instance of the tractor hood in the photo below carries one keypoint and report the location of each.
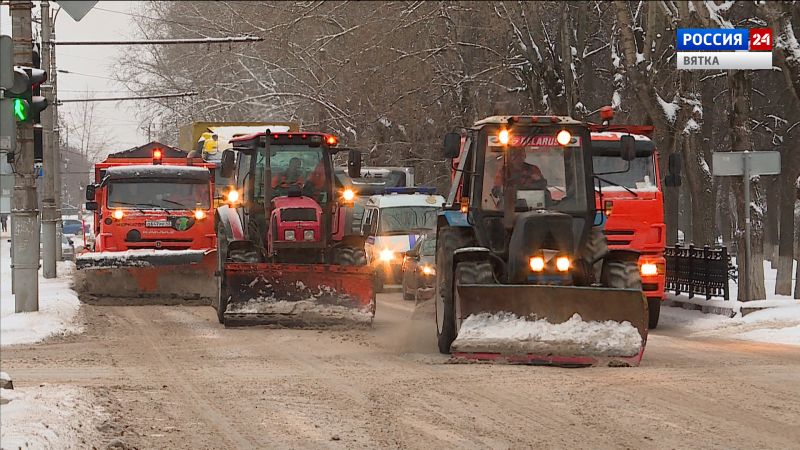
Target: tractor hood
(535, 231)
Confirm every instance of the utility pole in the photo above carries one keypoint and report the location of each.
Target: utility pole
(50, 167)
(56, 139)
(25, 229)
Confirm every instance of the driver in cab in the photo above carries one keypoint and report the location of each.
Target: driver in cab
(292, 176)
(525, 175)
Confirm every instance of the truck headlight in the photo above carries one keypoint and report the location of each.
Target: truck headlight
(386, 255)
(118, 214)
(649, 269)
(288, 235)
(537, 263)
(199, 214)
(428, 270)
(308, 235)
(562, 263)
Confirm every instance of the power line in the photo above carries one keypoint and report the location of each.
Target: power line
(231, 39)
(117, 99)
(69, 72)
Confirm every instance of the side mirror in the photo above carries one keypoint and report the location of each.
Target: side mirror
(673, 178)
(228, 163)
(452, 145)
(91, 206)
(354, 163)
(628, 147)
(90, 192)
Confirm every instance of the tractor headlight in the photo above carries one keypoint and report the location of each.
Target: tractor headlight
(118, 214)
(348, 195)
(537, 263)
(428, 270)
(308, 235)
(564, 137)
(288, 235)
(233, 196)
(386, 255)
(648, 269)
(562, 263)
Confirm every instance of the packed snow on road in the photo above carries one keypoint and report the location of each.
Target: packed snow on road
(507, 333)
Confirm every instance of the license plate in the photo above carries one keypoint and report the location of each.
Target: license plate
(157, 223)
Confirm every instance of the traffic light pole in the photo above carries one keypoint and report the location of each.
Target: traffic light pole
(49, 219)
(56, 137)
(25, 228)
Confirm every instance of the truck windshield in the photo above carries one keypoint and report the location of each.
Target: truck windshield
(294, 166)
(158, 194)
(545, 174)
(405, 219)
(639, 175)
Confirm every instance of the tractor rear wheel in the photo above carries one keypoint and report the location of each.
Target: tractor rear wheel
(222, 291)
(595, 250)
(448, 240)
(621, 274)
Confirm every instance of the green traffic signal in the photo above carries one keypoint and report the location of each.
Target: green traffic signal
(21, 109)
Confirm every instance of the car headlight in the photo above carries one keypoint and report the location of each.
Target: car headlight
(428, 270)
(648, 269)
(288, 235)
(386, 255)
(308, 235)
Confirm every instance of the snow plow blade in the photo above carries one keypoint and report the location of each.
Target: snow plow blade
(537, 325)
(146, 277)
(299, 295)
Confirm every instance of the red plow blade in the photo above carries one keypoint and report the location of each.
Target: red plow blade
(306, 295)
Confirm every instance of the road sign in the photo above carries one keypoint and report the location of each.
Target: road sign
(732, 163)
(746, 165)
(76, 9)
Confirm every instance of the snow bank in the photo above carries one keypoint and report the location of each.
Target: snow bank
(506, 333)
(58, 305)
(144, 252)
(48, 417)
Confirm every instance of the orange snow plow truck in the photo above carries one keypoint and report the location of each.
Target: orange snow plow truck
(154, 229)
(630, 195)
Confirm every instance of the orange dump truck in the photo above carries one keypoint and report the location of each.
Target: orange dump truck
(154, 228)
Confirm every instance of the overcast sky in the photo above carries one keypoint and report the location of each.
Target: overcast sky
(108, 20)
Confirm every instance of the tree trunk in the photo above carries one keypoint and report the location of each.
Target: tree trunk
(751, 272)
(773, 187)
(783, 284)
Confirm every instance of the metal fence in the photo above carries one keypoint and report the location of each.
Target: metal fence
(698, 271)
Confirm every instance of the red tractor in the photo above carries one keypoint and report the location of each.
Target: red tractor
(285, 256)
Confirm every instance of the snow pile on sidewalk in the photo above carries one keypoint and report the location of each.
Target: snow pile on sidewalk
(779, 323)
(58, 305)
(48, 417)
(508, 334)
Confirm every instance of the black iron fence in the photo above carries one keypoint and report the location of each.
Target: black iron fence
(699, 271)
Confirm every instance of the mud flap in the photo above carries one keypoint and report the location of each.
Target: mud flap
(146, 276)
(303, 295)
(556, 305)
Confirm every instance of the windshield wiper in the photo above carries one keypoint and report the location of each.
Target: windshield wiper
(175, 203)
(135, 206)
(615, 184)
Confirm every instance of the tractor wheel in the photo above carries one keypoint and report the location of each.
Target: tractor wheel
(595, 250)
(222, 291)
(621, 274)
(653, 311)
(350, 256)
(448, 240)
(470, 272)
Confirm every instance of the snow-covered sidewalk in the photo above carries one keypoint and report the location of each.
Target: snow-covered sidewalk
(778, 323)
(48, 417)
(58, 305)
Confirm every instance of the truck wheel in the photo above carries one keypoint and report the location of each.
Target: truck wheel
(653, 311)
(448, 240)
(222, 291)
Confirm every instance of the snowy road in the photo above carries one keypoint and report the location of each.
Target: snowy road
(172, 377)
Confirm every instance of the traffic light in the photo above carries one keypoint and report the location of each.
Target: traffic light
(38, 144)
(27, 107)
